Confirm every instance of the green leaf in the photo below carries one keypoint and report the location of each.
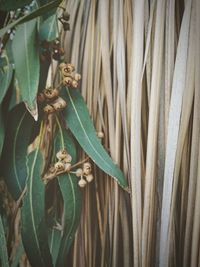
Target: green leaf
(8, 5)
(34, 232)
(78, 120)
(2, 131)
(26, 58)
(3, 247)
(39, 12)
(71, 196)
(54, 243)
(49, 29)
(5, 74)
(13, 164)
(72, 211)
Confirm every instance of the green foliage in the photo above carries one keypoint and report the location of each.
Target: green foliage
(6, 72)
(45, 186)
(18, 133)
(49, 29)
(13, 5)
(71, 196)
(34, 231)
(38, 12)
(78, 120)
(26, 58)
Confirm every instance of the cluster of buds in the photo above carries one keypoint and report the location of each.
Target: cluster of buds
(51, 49)
(69, 77)
(52, 99)
(64, 20)
(62, 165)
(85, 172)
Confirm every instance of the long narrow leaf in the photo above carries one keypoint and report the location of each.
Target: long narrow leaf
(79, 122)
(34, 229)
(40, 11)
(26, 59)
(13, 164)
(71, 196)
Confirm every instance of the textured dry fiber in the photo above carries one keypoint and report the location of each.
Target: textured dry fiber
(140, 63)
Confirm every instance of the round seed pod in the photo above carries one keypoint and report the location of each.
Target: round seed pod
(66, 26)
(67, 81)
(70, 67)
(48, 109)
(60, 155)
(82, 183)
(59, 104)
(67, 167)
(79, 172)
(77, 77)
(74, 84)
(89, 178)
(68, 158)
(87, 168)
(56, 55)
(66, 15)
(100, 134)
(59, 166)
(50, 93)
(52, 169)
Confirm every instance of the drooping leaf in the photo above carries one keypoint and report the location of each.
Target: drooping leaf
(72, 211)
(49, 29)
(2, 131)
(3, 247)
(6, 72)
(71, 196)
(13, 164)
(8, 5)
(54, 243)
(26, 58)
(39, 12)
(78, 120)
(34, 232)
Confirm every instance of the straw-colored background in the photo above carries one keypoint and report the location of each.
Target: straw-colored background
(140, 64)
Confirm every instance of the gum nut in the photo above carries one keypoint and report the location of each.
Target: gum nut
(77, 76)
(67, 81)
(67, 167)
(61, 154)
(89, 178)
(87, 168)
(48, 109)
(51, 93)
(52, 169)
(66, 15)
(68, 158)
(79, 172)
(66, 26)
(74, 84)
(82, 183)
(70, 67)
(59, 104)
(59, 166)
(100, 134)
